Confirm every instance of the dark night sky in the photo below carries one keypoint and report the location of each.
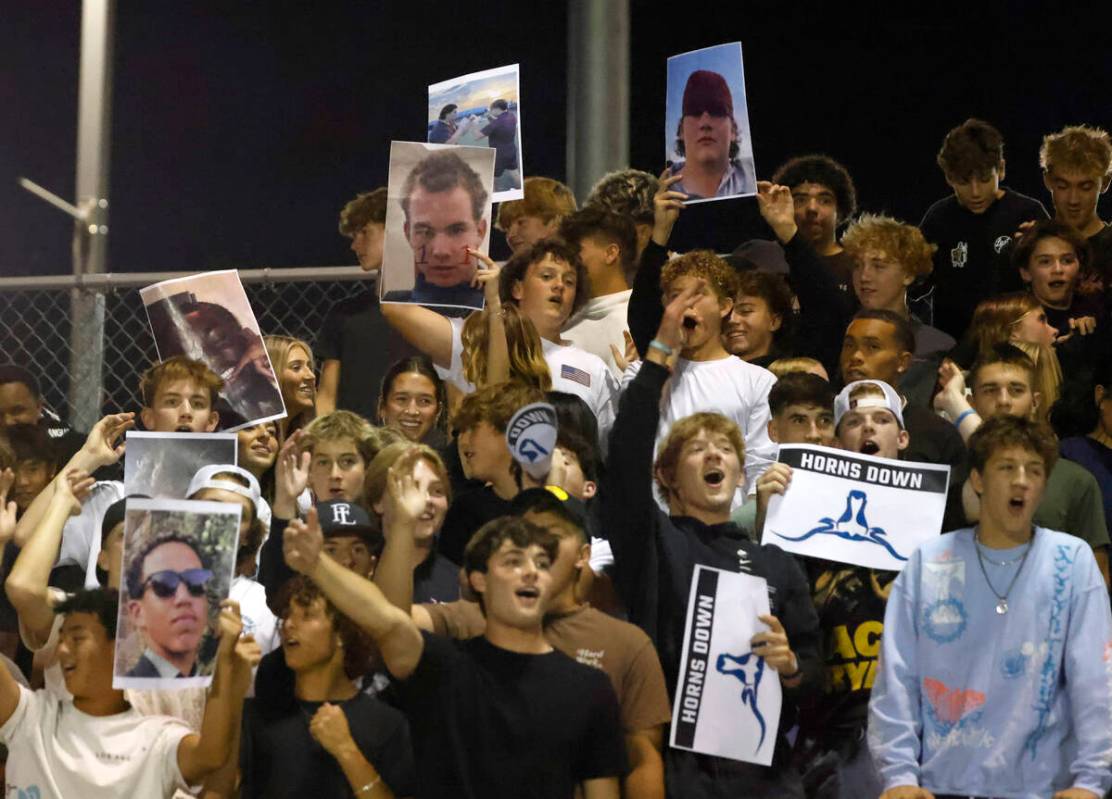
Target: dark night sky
(241, 128)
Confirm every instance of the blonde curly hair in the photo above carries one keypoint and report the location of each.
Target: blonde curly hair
(898, 240)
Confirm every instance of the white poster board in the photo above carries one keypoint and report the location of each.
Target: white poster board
(727, 699)
(856, 509)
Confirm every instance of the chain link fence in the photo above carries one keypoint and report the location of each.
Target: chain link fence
(36, 325)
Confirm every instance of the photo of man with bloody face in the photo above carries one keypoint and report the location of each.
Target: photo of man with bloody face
(707, 136)
(441, 210)
(176, 569)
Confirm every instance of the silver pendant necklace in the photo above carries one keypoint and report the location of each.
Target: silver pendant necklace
(1001, 599)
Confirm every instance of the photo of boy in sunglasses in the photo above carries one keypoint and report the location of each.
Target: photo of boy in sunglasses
(171, 590)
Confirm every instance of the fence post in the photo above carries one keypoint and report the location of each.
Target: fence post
(90, 234)
(86, 361)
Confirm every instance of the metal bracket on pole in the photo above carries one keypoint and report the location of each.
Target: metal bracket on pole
(90, 214)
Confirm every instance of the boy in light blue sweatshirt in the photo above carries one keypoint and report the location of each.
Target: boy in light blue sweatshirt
(996, 665)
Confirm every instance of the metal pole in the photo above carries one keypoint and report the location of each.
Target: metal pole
(90, 235)
(598, 91)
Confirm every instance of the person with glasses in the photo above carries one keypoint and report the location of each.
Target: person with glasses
(168, 604)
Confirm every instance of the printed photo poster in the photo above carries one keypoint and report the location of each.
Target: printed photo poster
(856, 509)
(706, 125)
(483, 109)
(179, 557)
(207, 317)
(162, 464)
(438, 204)
(727, 699)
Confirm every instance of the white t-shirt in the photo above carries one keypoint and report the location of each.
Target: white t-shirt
(729, 386)
(55, 750)
(81, 533)
(573, 371)
(257, 618)
(598, 324)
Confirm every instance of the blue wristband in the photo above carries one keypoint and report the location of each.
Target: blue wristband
(962, 416)
(659, 345)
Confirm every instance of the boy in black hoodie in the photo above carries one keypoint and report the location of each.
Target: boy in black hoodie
(698, 469)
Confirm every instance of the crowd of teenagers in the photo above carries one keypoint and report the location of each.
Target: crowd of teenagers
(413, 614)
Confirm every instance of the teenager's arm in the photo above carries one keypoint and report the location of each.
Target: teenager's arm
(498, 352)
(329, 387)
(329, 727)
(824, 311)
(101, 448)
(646, 777)
(603, 788)
(402, 504)
(27, 585)
(895, 724)
(393, 631)
(629, 511)
(426, 330)
(1086, 676)
(273, 570)
(200, 755)
(645, 308)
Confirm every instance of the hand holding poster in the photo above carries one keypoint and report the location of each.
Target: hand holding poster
(854, 508)
(178, 560)
(482, 109)
(438, 206)
(727, 699)
(207, 318)
(706, 124)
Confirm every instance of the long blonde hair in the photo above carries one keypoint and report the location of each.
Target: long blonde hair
(279, 348)
(527, 363)
(994, 322)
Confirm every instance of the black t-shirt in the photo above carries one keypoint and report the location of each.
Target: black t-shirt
(972, 261)
(1101, 245)
(491, 723)
(279, 758)
(469, 511)
(840, 267)
(436, 580)
(356, 334)
(933, 439)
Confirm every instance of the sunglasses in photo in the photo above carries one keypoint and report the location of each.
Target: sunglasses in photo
(165, 583)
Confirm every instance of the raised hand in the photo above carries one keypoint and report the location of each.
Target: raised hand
(773, 480)
(951, 398)
(229, 626)
(671, 332)
(667, 205)
(302, 543)
(405, 501)
(778, 209)
(774, 647)
(623, 359)
(74, 488)
(102, 446)
(291, 475)
(487, 276)
(1081, 325)
(8, 510)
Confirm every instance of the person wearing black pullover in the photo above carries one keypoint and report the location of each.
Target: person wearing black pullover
(656, 553)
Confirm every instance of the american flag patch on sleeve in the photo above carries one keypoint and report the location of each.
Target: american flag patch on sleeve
(569, 372)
